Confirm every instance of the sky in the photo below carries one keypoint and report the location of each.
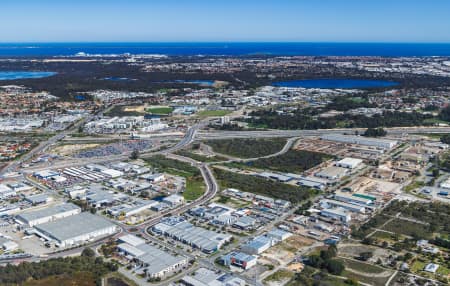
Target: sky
(225, 20)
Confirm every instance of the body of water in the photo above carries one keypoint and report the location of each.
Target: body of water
(230, 49)
(198, 82)
(14, 75)
(112, 78)
(336, 83)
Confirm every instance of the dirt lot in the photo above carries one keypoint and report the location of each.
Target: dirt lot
(70, 149)
(137, 108)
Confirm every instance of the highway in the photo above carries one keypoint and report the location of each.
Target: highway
(203, 135)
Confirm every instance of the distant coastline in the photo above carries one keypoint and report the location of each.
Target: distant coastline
(227, 49)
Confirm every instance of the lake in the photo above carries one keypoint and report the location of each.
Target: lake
(14, 75)
(336, 83)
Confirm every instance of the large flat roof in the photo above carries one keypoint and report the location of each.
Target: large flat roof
(157, 259)
(46, 212)
(74, 226)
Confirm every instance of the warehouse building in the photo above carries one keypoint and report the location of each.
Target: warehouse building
(279, 234)
(332, 173)
(197, 237)
(353, 199)
(258, 245)
(151, 260)
(239, 259)
(206, 277)
(6, 192)
(75, 229)
(326, 203)
(131, 208)
(245, 223)
(173, 200)
(337, 213)
(44, 215)
(349, 163)
(360, 140)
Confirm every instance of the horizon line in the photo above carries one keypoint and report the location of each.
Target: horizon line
(220, 42)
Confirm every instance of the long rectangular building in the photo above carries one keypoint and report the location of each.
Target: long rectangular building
(76, 229)
(48, 214)
(179, 229)
(360, 140)
(157, 263)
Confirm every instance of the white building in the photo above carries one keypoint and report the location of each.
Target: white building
(349, 163)
(431, 267)
(155, 262)
(279, 234)
(44, 215)
(75, 229)
(337, 213)
(360, 140)
(332, 173)
(173, 200)
(353, 199)
(6, 192)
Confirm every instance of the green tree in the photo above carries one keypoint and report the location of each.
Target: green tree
(134, 154)
(88, 252)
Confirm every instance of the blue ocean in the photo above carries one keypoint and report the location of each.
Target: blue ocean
(228, 49)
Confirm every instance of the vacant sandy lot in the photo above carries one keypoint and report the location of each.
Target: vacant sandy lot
(70, 149)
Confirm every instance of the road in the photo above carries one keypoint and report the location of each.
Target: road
(44, 145)
(296, 133)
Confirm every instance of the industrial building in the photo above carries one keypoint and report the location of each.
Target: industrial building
(155, 262)
(279, 234)
(360, 140)
(258, 245)
(131, 208)
(197, 237)
(332, 173)
(75, 229)
(204, 277)
(354, 199)
(326, 203)
(337, 213)
(44, 215)
(275, 176)
(245, 223)
(239, 259)
(173, 200)
(6, 192)
(349, 163)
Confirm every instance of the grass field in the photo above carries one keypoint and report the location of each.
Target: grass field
(361, 266)
(385, 236)
(162, 110)
(195, 188)
(213, 113)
